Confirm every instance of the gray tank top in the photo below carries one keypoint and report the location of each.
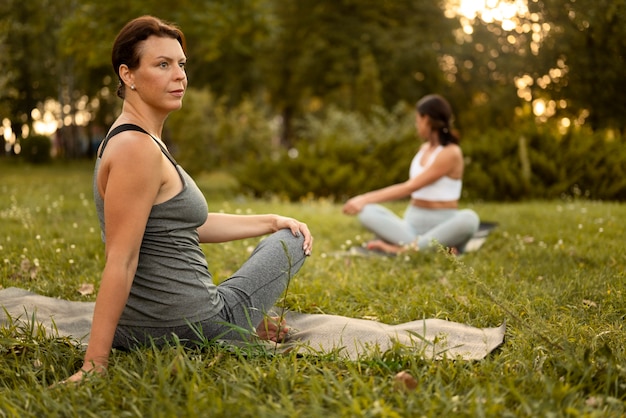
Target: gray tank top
(172, 285)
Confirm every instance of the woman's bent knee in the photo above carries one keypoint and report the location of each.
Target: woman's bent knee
(286, 241)
(470, 220)
(368, 213)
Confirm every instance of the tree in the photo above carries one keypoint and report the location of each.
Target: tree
(483, 69)
(224, 38)
(583, 57)
(29, 59)
(319, 50)
(86, 37)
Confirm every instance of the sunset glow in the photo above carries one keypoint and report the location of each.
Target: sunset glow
(503, 12)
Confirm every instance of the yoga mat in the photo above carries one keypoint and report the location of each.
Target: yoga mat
(310, 333)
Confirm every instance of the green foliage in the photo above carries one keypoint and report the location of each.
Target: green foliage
(306, 55)
(29, 60)
(268, 64)
(595, 164)
(342, 153)
(579, 162)
(588, 82)
(339, 153)
(554, 270)
(210, 136)
(342, 53)
(36, 149)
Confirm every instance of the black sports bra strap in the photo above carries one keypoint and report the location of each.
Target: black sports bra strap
(132, 127)
(117, 130)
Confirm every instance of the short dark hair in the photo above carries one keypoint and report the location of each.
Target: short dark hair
(126, 46)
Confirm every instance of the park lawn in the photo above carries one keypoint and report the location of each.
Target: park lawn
(553, 270)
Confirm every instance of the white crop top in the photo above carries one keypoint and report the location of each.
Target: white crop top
(442, 190)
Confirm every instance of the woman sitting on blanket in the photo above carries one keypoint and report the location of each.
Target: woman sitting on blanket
(434, 184)
(155, 283)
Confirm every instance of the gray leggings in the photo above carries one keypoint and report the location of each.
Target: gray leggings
(247, 296)
(448, 227)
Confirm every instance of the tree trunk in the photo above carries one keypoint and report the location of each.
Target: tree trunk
(285, 136)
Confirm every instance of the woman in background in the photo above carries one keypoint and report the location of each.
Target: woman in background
(434, 185)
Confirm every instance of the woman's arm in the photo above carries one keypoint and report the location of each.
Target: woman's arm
(445, 163)
(222, 227)
(129, 180)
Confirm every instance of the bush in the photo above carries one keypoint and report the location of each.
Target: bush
(342, 154)
(595, 165)
(208, 136)
(338, 154)
(36, 149)
(580, 162)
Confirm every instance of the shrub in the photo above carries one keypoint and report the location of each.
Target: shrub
(579, 162)
(594, 163)
(36, 149)
(208, 136)
(337, 154)
(492, 166)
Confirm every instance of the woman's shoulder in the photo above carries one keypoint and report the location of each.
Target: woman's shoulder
(132, 147)
(450, 153)
(452, 149)
(130, 163)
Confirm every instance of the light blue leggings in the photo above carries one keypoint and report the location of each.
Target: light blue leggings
(425, 227)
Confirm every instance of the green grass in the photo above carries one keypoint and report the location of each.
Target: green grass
(554, 270)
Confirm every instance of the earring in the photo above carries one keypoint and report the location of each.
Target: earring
(132, 87)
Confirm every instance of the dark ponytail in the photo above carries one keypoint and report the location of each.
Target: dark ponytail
(440, 113)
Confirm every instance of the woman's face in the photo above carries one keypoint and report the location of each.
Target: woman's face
(422, 125)
(160, 80)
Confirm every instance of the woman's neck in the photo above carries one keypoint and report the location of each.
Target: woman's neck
(130, 114)
(433, 140)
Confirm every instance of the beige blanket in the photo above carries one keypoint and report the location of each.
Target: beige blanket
(310, 333)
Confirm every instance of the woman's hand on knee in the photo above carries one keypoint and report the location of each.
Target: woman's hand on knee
(297, 228)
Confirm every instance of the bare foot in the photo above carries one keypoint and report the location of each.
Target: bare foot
(380, 245)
